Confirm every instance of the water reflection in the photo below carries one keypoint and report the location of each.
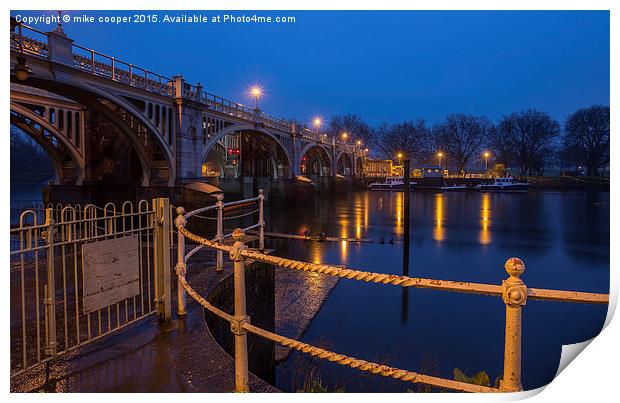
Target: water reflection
(569, 229)
(438, 233)
(485, 219)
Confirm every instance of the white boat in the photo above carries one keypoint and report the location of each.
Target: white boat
(391, 183)
(504, 185)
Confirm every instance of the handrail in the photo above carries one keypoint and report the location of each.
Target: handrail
(513, 292)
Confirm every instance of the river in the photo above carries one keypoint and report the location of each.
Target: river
(563, 238)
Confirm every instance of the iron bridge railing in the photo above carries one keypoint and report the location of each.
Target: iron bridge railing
(513, 292)
(35, 43)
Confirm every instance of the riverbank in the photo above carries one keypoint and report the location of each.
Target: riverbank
(569, 182)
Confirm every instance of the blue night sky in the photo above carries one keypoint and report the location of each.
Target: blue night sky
(384, 66)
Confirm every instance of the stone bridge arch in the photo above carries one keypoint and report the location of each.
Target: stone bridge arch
(313, 154)
(284, 146)
(344, 165)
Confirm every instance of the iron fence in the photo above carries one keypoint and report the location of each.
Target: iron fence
(47, 276)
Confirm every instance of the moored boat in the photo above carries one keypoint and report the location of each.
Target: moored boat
(391, 183)
(504, 185)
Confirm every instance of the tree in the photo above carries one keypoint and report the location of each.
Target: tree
(500, 145)
(532, 137)
(461, 137)
(408, 138)
(356, 128)
(586, 138)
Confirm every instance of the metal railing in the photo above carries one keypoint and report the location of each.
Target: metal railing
(513, 291)
(47, 275)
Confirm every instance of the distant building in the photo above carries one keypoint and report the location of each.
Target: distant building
(377, 168)
(428, 171)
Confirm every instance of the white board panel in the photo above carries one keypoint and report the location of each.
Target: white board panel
(111, 272)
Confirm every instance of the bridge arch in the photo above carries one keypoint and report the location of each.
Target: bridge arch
(214, 142)
(133, 124)
(344, 165)
(65, 156)
(315, 160)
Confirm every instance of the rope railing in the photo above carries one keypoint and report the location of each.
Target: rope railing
(513, 292)
(340, 359)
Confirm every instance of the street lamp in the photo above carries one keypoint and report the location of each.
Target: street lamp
(317, 122)
(439, 155)
(256, 92)
(399, 155)
(344, 136)
(486, 160)
(359, 142)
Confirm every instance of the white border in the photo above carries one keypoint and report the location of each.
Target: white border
(592, 377)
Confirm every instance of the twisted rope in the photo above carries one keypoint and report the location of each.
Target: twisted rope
(382, 278)
(340, 359)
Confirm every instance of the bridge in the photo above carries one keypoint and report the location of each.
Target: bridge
(106, 121)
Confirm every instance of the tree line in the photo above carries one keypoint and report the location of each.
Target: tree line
(529, 141)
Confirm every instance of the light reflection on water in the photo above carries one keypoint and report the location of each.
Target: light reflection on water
(562, 237)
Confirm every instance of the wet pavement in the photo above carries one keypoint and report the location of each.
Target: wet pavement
(179, 356)
(149, 356)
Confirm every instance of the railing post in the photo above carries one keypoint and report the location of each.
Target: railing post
(113, 68)
(240, 317)
(219, 262)
(261, 220)
(181, 264)
(163, 290)
(514, 295)
(50, 292)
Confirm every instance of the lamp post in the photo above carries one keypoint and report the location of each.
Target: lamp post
(486, 161)
(256, 92)
(317, 122)
(439, 155)
(344, 136)
(399, 155)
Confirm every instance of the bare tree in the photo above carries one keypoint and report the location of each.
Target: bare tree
(500, 145)
(461, 137)
(356, 128)
(407, 138)
(586, 140)
(532, 137)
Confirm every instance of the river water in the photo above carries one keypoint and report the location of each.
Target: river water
(563, 238)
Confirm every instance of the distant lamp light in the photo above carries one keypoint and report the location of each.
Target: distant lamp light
(256, 91)
(359, 142)
(344, 135)
(317, 122)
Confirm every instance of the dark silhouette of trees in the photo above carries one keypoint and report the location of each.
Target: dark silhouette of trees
(408, 138)
(586, 139)
(531, 136)
(28, 160)
(500, 146)
(354, 126)
(461, 137)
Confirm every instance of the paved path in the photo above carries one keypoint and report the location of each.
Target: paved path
(180, 356)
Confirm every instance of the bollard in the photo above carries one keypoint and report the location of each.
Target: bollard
(219, 262)
(240, 317)
(261, 221)
(49, 291)
(514, 295)
(181, 268)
